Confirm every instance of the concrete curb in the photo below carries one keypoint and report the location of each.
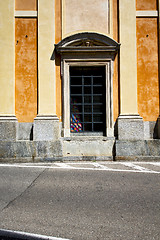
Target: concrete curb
(14, 235)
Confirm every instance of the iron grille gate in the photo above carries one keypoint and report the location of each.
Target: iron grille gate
(87, 99)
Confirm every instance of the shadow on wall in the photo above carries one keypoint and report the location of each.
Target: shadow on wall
(53, 56)
(116, 129)
(155, 131)
(31, 134)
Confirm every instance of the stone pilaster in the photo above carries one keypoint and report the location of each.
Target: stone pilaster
(8, 121)
(130, 124)
(46, 124)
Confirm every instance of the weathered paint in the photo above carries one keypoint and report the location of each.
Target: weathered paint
(7, 84)
(115, 20)
(58, 21)
(147, 68)
(58, 38)
(58, 88)
(26, 68)
(81, 16)
(146, 4)
(115, 90)
(30, 5)
(115, 75)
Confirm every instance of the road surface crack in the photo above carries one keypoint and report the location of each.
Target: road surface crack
(28, 187)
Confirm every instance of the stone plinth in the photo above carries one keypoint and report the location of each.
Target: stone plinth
(8, 128)
(46, 128)
(130, 127)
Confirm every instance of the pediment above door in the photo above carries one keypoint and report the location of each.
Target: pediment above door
(87, 42)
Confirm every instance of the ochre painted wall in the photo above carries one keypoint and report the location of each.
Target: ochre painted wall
(58, 38)
(115, 74)
(147, 68)
(146, 4)
(26, 69)
(28, 5)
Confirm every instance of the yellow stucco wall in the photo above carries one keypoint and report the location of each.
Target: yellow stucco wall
(147, 65)
(7, 103)
(128, 58)
(46, 63)
(27, 5)
(26, 68)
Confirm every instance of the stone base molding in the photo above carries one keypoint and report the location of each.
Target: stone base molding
(8, 128)
(46, 128)
(30, 151)
(42, 151)
(137, 150)
(130, 127)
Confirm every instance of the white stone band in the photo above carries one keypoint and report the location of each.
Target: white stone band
(146, 13)
(129, 116)
(46, 117)
(8, 118)
(25, 13)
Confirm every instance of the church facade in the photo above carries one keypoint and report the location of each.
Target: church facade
(79, 80)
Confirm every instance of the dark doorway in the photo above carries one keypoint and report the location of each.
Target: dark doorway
(88, 100)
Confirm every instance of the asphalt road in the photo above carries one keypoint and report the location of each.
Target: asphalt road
(80, 204)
